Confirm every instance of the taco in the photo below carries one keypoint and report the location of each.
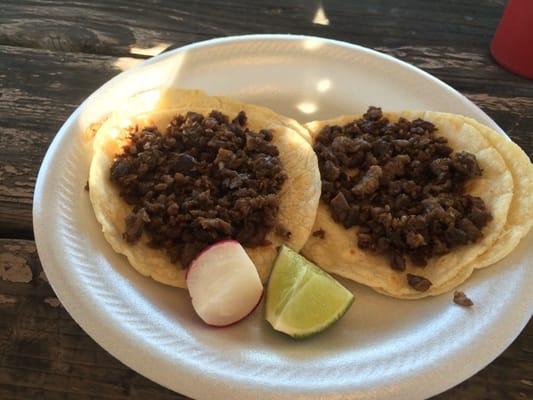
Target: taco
(413, 202)
(165, 182)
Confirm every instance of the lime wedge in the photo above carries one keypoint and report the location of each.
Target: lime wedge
(302, 299)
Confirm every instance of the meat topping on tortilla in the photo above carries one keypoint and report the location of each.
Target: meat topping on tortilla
(203, 180)
(319, 233)
(418, 283)
(402, 185)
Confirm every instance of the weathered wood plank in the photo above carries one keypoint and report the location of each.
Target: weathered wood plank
(38, 91)
(469, 70)
(121, 28)
(45, 355)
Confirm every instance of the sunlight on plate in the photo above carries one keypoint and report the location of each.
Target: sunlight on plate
(307, 107)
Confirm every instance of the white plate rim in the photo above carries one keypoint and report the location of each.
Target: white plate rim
(188, 383)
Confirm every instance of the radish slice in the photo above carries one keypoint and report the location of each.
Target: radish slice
(224, 284)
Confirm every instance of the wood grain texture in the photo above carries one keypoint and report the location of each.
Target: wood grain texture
(45, 354)
(114, 29)
(39, 89)
(53, 54)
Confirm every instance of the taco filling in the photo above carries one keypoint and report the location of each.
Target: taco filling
(403, 186)
(203, 180)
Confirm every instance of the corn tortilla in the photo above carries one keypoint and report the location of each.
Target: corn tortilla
(338, 252)
(298, 198)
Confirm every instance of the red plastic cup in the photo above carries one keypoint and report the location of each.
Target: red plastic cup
(512, 45)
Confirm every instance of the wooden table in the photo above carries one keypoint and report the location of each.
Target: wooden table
(53, 55)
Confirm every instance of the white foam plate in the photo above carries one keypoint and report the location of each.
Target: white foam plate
(382, 349)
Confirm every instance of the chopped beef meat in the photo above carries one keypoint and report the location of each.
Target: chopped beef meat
(397, 262)
(415, 239)
(202, 180)
(320, 233)
(418, 283)
(135, 222)
(369, 182)
(402, 185)
(465, 164)
(331, 171)
(462, 299)
(339, 207)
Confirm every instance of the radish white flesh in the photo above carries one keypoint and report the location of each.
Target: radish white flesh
(224, 284)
